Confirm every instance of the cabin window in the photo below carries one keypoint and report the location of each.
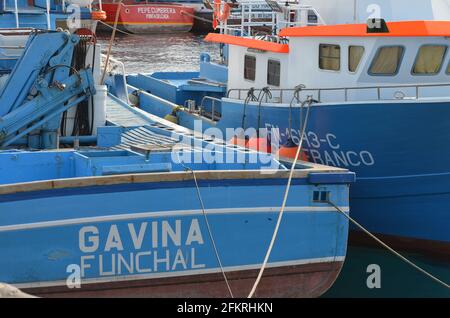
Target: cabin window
(387, 61)
(273, 72)
(429, 59)
(250, 67)
(355, 54)
(329, 57)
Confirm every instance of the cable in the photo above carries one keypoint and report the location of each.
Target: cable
(209, 230)
(283, 206)
(389, 248)
(265, 92)
(250, 98)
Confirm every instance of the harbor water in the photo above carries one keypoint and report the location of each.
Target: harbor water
(368, 271)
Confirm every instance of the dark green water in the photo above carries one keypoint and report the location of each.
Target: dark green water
(397, 278)
(180, 52)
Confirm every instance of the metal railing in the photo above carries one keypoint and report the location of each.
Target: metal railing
(16, 12)
(255, 15)
(213, 106)
(398, 93)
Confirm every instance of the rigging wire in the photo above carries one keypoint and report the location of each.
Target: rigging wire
(390, 249)
(216, 251)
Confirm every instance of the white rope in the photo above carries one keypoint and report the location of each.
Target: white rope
(283, 206)
(390, 249)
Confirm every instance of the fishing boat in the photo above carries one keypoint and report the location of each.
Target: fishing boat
(380, 91)
(202, 14)
(99, 198)
(148, 17)
(49, 15)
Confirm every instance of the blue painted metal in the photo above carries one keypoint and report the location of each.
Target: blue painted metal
(42, 48)
(58, 201)
(44, 67)
(241, 236)
(35, 15)
(394, 147)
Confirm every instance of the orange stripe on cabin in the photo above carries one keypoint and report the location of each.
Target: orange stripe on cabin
(246, 42)
(396, 29)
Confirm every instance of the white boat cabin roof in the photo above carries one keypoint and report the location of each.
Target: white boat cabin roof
(343, 56)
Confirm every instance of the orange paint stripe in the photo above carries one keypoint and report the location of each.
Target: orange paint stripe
(246, 42)
(396, 29)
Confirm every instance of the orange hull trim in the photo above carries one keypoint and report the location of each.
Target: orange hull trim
(250, 43)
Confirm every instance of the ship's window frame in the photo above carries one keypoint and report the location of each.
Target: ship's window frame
(246, 67)
(377, 54)
(339, 58)
(277, 84)
(360, 59)
(440, 66)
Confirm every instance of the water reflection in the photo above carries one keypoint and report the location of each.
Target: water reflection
(160, 52)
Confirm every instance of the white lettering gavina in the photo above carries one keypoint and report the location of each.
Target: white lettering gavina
(138, 248)
(158, 234)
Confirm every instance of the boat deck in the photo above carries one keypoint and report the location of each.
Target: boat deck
(119, 115)
(25, 9)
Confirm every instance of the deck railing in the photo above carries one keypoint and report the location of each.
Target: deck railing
(213, 101)
(16, 12)
(251, 18)
(354, 94)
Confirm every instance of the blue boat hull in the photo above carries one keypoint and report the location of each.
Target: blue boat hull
(151, 239)
(397, 150)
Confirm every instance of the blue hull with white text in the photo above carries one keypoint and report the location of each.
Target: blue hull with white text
(396, 149)
(146, 235)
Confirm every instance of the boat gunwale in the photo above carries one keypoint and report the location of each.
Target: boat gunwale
(80, 182)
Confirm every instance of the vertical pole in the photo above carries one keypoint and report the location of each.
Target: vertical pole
(47, 4)
(111, 42)
(16, 13)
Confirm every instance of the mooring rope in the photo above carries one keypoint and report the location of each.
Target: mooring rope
(283, 206)
(390, 249)
(119, 30)
(216, 251)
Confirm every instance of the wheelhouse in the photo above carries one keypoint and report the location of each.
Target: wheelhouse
(343, 62)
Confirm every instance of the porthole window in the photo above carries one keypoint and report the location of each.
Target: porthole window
(355, 54)
(429, 60)
(329, 57)
(387, 61)
(273, 72)
(250, 67)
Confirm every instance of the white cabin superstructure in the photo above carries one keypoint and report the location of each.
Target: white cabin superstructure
(359, 11)
(334, 63)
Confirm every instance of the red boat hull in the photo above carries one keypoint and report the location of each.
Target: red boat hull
(150, 18)
(307, 280)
